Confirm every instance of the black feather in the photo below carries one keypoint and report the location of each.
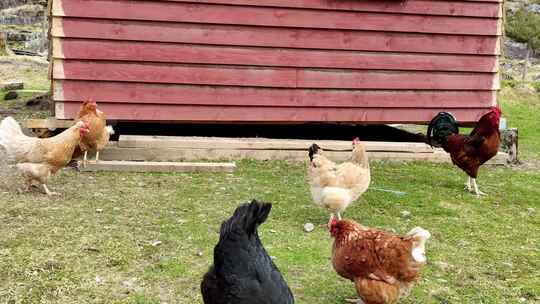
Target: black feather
(243, 272)
(313, 149)
(440, 128)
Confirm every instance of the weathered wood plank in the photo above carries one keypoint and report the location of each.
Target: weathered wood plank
(274, 37)
(146, 112)
(144, 166)
(489, 9)
(223, 143)
(48, 123)
(275, 57)
(120, 92)
(279, 17)
(271, 77)
(177, 154)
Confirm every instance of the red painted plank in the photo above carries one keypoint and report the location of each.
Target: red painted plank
(274, 37)
(271, 77)
(422, 7)
(118, 92)
(280, 17)
(187, 53)
(145, 112)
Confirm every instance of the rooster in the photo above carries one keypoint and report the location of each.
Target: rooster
(334, 186)
(382, 265)
(37, 159)
(468, 152)
(99, 134)
(243, 273)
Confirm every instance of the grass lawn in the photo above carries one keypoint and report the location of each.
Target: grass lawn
(95, 244)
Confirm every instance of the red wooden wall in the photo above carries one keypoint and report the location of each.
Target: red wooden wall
(368, 61)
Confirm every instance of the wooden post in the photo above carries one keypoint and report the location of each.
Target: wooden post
(526, 64)
(3, 43)
(510, 144)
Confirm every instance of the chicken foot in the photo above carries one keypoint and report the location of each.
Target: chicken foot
(48, 192)
(355, 301)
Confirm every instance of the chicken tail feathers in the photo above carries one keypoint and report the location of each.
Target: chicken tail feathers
(247, 217)
(10, 132)
(313, 149)
(419, 236)
(110, 130)
(440, 128)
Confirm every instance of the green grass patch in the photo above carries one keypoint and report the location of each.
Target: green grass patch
(97, 243)
(522, 109)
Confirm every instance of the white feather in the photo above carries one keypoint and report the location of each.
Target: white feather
(419, 246)
(110, 130)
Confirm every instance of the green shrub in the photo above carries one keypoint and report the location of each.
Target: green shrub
(524, 26)
(536, 86)
(509, 83)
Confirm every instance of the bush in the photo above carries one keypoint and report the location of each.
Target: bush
(524, 26)
(536, 86)
(509, 83)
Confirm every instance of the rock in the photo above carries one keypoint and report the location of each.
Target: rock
(11, 86)
(308, 227)
(405, 214)
(199, 254)
(11, 95)
(534, 7)
(99, 210)
(514, 49)
(99, 280)
(156, 243)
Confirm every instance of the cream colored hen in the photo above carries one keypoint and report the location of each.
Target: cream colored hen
(335, 186)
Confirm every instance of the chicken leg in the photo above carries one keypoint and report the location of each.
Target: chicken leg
(468, 186)
(476, 191)
(97, 157)
(48, 192)
(85, 159)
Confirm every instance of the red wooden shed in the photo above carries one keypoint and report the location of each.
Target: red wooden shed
(276, 61)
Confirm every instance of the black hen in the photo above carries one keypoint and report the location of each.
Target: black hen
(243, 273)
(440, 128)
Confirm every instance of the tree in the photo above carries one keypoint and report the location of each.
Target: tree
(524, 26)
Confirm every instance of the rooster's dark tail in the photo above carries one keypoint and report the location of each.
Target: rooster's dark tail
(440, 127)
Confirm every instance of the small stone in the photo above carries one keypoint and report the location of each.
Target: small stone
(11, 95)
(156, 243)
(199, 254)
(405, 213)
(99, 210)
(99, 279)
(308, 227)
(272, 231)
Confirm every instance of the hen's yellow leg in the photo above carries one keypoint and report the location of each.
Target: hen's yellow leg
(97, 157)
(85, 159)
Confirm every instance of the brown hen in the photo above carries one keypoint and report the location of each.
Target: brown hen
(382, 265)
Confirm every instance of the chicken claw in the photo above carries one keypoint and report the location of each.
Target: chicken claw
(50, 193)
(476, 190)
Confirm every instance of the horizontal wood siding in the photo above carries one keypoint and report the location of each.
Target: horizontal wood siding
(277, 60)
